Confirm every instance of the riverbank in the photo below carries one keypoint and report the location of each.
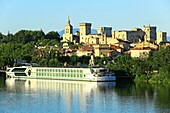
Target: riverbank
(152, 79)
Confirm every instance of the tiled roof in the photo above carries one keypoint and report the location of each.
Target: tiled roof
(86, 47)
(115, 47)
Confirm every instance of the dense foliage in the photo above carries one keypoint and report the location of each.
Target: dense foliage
(22, 44)
(155, 68)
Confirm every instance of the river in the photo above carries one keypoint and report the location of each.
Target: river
(54, 96)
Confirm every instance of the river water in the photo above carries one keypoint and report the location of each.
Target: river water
(54, 96)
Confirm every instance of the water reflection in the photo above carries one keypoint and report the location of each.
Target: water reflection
(57, 85)
(37, 95)
(69, 96)
(159, 92)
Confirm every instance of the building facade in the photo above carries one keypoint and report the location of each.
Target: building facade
(134, 35)
(85, 29)
(149, 33)
(161, 37)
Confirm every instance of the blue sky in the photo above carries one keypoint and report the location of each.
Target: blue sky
(51, 15)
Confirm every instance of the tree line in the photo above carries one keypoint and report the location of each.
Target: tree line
(154, 68)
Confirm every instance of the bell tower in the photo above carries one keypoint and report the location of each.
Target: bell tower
(68, 29)
(68, 32)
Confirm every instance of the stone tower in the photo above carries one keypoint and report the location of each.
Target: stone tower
(161, 37)
(85, 29)
(68, 32)
(149, 33)
(68, 29)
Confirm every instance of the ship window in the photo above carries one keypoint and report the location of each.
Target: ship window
(77, 71)
(19, 70)
(20, 74)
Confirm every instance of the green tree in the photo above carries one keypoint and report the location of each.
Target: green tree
(53, 35)
(54, 62)
(74, 59)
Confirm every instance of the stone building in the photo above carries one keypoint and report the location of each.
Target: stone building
(161, 37)
(85, 29)
(134, 35)
(87, 37)
(149, 33)
(68, 35)
(105, 35)
(105, 30)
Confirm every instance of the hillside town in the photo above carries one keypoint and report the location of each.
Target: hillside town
(137, 42)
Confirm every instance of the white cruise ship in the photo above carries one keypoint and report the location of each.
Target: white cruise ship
(97, 74)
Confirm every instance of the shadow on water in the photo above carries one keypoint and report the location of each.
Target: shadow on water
(159, 92)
